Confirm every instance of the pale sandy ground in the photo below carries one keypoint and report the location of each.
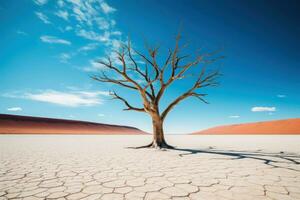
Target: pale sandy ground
(100, 167)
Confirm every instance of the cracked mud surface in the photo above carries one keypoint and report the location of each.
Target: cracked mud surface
(101, 167)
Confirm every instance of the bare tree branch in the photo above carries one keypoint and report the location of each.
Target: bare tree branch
(129, 107)
(103, 78)
(157, 78)
(209, 80)
(124, 74)
(174, 61)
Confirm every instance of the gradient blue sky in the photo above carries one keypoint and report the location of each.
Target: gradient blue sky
(48, 48)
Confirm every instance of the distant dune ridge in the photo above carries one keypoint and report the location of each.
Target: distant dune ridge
(286, 126)
(14, 124)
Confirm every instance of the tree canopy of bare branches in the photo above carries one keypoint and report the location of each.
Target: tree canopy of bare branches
(157, 78)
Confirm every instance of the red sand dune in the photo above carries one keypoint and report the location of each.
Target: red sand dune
(287, 126)
(14, 124)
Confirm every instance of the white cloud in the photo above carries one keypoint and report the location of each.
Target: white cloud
(14, 109)
(116, 44)
(52, 39)
(63, 14)
(93, 21)
(89, 47)
(91, 35)
(234, 116)
(64, 57)
(116, 33)
(93, 94)
(68, 28)
(68, 99)
(88, 69)
(113, 22)
(81, 16)
(101, 115)
(40, 2)
(43, 17)
(281, 96)
(107, 8)
(60, 3)
(94, 66)
(263, 109)
(21, 32)
(76, 2)
(102, 23)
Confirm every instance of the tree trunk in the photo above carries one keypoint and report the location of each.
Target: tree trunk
(158, 134)
(158, 141)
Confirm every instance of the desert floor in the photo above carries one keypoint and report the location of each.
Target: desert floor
(101, 167)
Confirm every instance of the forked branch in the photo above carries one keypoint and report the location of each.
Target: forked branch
(129, 107)
(179, 66)
(209, 80)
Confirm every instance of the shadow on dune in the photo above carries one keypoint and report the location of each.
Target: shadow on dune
(277, 160)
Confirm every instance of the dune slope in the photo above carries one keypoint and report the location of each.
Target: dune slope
(14, 124)
(287, 126)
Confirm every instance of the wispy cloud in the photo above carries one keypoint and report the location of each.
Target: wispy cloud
(116, 33)
(64, 57)
(263, 109)
(91, 35)
(62, 14)
(52, 39)
(102, 23)
(93, 93)
(281, 95)
(40, 2)
(107, 8)
(14, 109)
(68, 28)
(68, 99)
(43, 17)
(21, 33)
(94, 66)
(234, 116)
(89, 47)
(101, 115)
(60, 3)
(91, 21)
(92, 25)
(80, 16)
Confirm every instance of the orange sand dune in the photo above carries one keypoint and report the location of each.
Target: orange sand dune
(14, 124)
(287, 126)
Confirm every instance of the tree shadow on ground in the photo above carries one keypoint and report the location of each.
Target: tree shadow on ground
(276, 160)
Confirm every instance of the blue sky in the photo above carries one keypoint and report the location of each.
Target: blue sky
(49, 48)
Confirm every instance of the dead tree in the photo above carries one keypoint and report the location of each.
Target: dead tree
(157, 79)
